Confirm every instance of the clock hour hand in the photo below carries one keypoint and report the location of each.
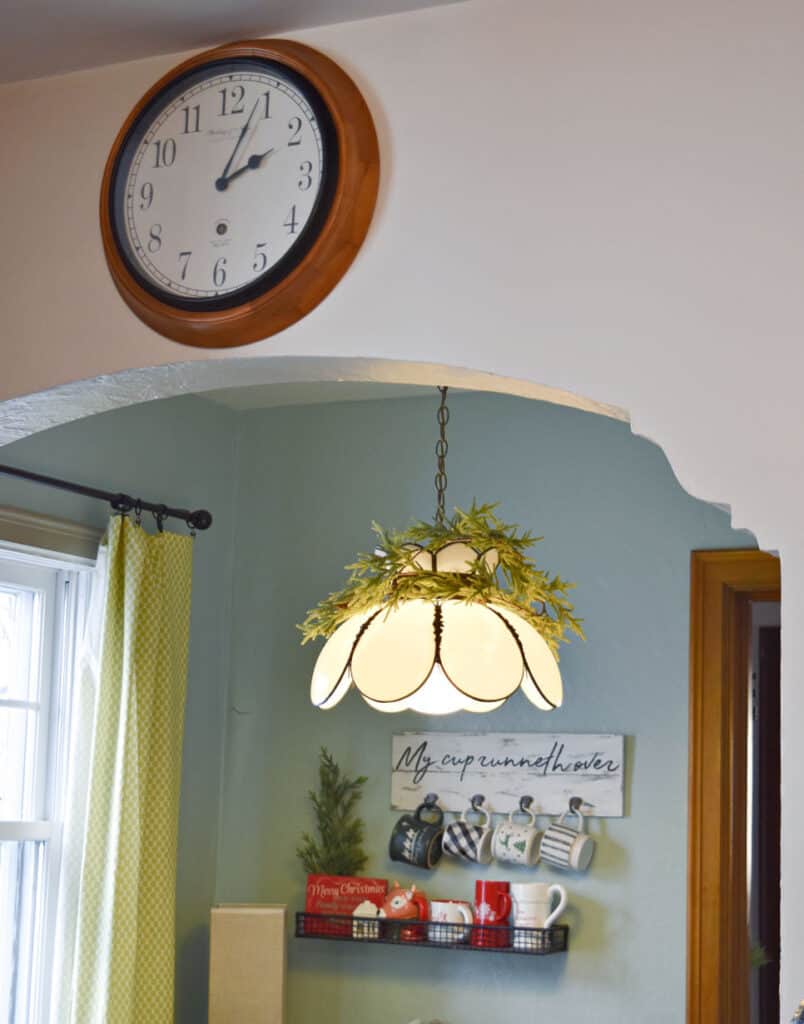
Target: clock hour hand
(251, 164)
(220, 183)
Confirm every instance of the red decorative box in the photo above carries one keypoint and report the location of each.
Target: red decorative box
(340, 894)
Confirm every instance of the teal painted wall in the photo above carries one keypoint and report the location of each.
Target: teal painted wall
(616, 521)
(182, 452)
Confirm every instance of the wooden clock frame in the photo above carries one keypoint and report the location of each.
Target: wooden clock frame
(329, 256)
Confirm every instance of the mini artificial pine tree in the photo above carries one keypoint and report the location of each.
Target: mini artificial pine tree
(339, 847)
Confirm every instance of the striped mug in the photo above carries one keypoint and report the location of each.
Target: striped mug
(565, 846)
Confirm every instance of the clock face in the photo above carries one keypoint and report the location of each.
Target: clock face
(223, 183)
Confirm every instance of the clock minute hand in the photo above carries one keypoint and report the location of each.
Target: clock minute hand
(251, 164)
(221, 182)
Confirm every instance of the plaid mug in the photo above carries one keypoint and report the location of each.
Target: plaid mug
(469, 842)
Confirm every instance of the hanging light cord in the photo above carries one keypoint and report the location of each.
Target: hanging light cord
(441, 449)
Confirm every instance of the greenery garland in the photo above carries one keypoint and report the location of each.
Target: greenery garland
(376, 579)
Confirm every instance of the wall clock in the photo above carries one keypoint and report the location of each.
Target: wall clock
(238, 192)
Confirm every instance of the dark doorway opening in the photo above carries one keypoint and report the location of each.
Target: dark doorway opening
(764, 811)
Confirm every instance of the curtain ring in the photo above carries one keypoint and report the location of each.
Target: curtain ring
(160, 515)
(138, 512)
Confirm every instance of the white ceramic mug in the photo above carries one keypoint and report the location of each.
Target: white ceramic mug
(532, 902)
(515, 843)
(566, 847)
(449, 920)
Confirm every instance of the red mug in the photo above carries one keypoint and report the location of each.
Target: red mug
(492, 907)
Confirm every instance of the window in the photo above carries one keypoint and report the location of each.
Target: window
(43, 598)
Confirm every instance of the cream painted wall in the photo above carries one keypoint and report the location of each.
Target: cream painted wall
(603, 198)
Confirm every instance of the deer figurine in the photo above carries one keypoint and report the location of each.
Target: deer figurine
(406, 905)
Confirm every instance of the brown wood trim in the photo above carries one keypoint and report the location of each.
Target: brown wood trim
(723, 583)
(338, 242)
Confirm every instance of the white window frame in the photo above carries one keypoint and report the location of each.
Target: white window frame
(59, 572)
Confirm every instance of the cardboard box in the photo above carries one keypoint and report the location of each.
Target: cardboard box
(247, 953)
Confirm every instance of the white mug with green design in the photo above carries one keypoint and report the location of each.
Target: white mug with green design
(516, 843)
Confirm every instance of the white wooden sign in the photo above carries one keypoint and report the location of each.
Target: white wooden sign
(550, 767)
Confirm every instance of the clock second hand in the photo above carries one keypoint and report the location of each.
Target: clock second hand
(223, 181)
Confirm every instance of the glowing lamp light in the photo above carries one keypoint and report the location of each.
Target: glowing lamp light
(438, 657)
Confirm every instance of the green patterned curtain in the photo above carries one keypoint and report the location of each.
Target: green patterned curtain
(116, 960)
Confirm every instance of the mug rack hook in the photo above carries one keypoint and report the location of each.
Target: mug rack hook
(477, 800)
(431, 800)
(577, 804)
(524, 803)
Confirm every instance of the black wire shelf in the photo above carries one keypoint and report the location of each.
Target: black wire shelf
(474, 938)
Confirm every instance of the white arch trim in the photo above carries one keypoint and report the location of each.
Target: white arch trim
(20, 417)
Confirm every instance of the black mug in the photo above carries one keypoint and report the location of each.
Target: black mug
(417, 841)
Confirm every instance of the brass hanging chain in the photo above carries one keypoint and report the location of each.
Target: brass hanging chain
(441, 449)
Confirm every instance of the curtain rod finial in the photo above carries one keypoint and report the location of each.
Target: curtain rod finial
(200, 520)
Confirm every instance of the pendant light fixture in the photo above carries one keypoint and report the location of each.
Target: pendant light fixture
(447, 616)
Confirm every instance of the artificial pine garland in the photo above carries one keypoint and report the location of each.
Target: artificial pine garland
(339, 847)
(375, 579)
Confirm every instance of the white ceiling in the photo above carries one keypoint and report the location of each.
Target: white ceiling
(50, 37)
(266, 396)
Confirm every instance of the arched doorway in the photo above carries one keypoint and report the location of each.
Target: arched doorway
(137, 386)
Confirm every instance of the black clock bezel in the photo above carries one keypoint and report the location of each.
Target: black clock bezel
(267, 281)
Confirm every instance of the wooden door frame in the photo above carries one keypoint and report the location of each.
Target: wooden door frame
(723, 584)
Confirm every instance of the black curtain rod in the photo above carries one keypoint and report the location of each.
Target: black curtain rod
(198, 520)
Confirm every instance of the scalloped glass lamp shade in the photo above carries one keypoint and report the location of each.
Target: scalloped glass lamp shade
(455, 619)
(437, 658)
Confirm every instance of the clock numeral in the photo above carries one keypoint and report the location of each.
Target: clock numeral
(155, 238)
(146, 195)
(267, 112)
(219, 272)
(295, 126)
(291, 223)
(260, 258)
(186, 257)
(306, 180)
(232, 100)
(192, 119)
(165, 152)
